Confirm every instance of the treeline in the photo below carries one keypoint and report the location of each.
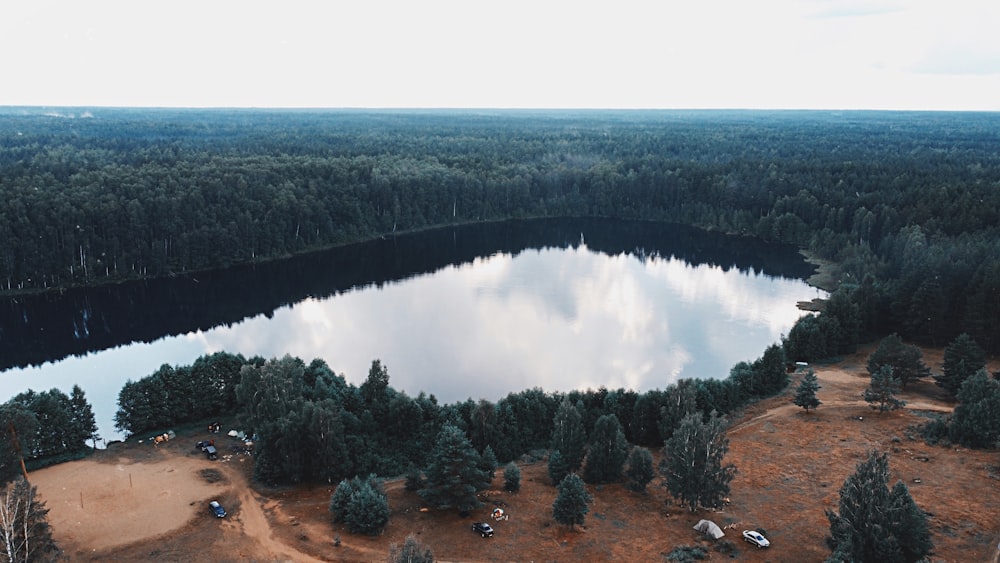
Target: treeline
(312, 425)
(909, 199)
(43, 428)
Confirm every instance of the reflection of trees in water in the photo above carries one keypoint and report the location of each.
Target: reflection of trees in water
(49, 327)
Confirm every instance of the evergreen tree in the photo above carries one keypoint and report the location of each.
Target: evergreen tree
(607, 453)
(414, 479)
(557, 468)
(906, 360)
(367, 511)
(82, 417)
(412, 551)
(805, 394)
(488, 463)
(909, 524)
(25, 534)
(453, 477)
(18, 427)
(640, 469)
(692, 465)
(769, 371)
(342, 496)
(376, 385)
(881, 393)
(568, 434)
(570, 507)
(962, 358)
(875, 524)
(976, 422)
(511, 478)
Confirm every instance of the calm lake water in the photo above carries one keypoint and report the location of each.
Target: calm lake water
(469, 312)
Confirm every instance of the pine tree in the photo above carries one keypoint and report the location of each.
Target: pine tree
(607, 453)
(962, 358)
(976, 422)
(906, 360)
(640, 469)
(570, 507)
(557, 468)
(368, 508)
(568, 434)
(881, 393)
(805, 395)
(412, 551)
(82, 416)
(488, 463)
(342, 496)
(692, 462)
(453, 477)
(511, 478)
(874, 523)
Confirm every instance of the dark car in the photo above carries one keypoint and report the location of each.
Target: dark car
(483, 529)
(217, 509)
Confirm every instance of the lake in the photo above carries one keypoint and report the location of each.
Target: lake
(461, 312)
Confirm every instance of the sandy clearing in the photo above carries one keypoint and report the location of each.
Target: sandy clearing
(101, 505)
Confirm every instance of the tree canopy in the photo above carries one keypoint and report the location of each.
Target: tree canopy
(693, 466)
(874, 523)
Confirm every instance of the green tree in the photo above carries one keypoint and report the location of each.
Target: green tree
(25, 534)
(570, 507)
(681, 400)
(568, 434)
(906, 360)
(770, 375)
(881, 392)
(367, 511)
(18, 428)
(453, 476)
(692, 464)
(557, 467)
(640, 469)
(82, 418)
(412, 551)
(805, 394)
(607, 453)
(962, 358)
(511, 478)
(976, 422)
(342, 496)
(874, 523)
(488, 463)
(375, 386)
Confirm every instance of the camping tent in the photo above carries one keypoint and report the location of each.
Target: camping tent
(709, 528)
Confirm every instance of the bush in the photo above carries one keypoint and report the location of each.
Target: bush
(687, 554)
(511, 478)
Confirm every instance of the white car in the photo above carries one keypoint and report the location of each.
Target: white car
(755, 538)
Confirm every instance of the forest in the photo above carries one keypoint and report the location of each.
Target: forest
(905, 203)
(905, 206)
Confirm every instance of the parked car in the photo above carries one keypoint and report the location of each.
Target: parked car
(483, 529)
(755, 538)
(217, 509)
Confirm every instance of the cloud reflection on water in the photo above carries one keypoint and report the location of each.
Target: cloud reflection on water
(558, 319)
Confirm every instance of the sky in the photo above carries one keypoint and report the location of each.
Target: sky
(783, 54)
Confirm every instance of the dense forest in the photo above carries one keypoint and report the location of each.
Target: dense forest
(905, 203)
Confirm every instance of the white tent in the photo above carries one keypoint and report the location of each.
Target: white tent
(709, 528)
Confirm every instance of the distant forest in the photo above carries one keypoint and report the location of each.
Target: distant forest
(907, 205)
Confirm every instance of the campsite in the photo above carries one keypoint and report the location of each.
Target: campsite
(137, 501)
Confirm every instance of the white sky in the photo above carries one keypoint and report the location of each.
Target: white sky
(875, 54)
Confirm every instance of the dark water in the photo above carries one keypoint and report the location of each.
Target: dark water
(463, 312)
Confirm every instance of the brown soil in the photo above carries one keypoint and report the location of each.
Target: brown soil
(139, 502)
